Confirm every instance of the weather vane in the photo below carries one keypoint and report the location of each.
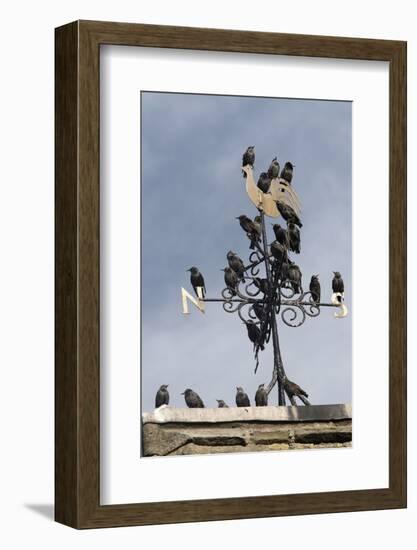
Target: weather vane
(258, 298)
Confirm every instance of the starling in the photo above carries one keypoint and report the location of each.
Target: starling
(248, 158)
(315, 288)
(288, 213)
(242, 399)
(273, 170)
(262, 284)
(236, 264)
(278, 251)
(254, 334)
(285, 266)
(231, 279)
(259, 311)
(162, 396)
(264, 182)
(192, 399)
(281, 234)
(294, 276)
(257, 222)
(197, 280)
(337, 284)
(261, 397)
(287, 171)
(292, 389)
(294, 237)
(252, 229)
(222, 404)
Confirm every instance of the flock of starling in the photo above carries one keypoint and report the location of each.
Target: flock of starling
(194, 401)
(284, 271)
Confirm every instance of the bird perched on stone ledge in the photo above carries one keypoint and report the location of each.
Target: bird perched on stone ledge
(242, 399)
(192, 399)
(248, 158)
(197, 280)
(162, 396)
(222, 404)
(261, 396)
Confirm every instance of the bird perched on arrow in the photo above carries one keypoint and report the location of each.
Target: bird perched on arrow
(162, 396)
(288, 213)
(248, 158)
(287, 172)
(261, 397)
(192, 399)
(315, 288)
(236, 264)
(197, 280)
(337, 284)
(273, 170)
(242, 399)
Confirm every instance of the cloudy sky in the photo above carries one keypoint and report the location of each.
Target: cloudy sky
(192, 190)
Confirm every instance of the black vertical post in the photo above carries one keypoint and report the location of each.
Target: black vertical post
(278, 365)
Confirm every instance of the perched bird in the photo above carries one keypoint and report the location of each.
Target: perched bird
(292, 389)
(285, 266)
(261, 397)
(264, 182)
(254, 334)
(231, 279)
(248, 158)
(315, 288)
(288, 213)
(162, 396)
(236, 264)
(294, 237)
(192, 399)
(278, 251)
(281, 234)
(273, 170)
(257, 222)
(259, 311)
(197, 280)
(222, 404)
(287, 172)
(242, 399)
(262, 284)
(294, 276)
(252, 229)
(337, 284)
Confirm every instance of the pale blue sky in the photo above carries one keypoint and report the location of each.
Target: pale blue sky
(192, 190)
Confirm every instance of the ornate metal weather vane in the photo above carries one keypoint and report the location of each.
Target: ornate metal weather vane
(260, 301)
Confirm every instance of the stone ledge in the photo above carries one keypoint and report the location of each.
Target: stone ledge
(166, 414)
(169, 431)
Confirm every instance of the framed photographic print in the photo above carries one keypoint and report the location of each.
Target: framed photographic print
(230, 274)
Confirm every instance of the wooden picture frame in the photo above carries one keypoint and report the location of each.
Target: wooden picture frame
(77, 372)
